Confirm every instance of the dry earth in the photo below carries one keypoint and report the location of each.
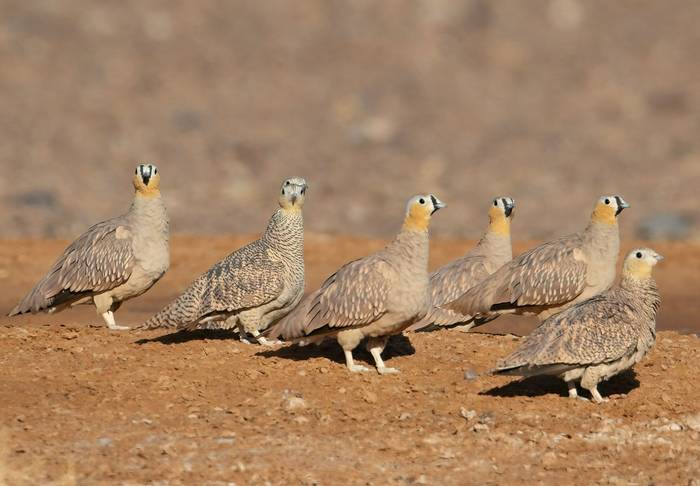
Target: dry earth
(81, 405)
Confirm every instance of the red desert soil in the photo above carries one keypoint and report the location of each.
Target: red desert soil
(81, 405)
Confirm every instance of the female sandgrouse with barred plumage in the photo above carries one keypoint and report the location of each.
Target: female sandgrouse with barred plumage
(254, 286)
(597, 338)
(553, 276)
(450, 281)
(112, 261)
(373, 297)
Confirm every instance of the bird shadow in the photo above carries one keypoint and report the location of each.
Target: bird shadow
(537, 386)
(185, 336)
(398, 345)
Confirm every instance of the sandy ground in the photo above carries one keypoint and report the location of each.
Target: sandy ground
(81, 405)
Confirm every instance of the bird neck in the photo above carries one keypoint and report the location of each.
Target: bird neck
(151, 209)
(498, 222)
(643, 291)
(412, 246)
(147, 193)
(285, 233)
(496, 244)
(603, 237)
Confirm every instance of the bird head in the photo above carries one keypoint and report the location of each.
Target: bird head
(293, 193)
(608, 208)
(419, 210)
(147, 180)
(500, 215)
(639, 263)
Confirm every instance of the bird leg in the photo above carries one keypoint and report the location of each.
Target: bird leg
(350, 363)
(375, 346)
(573, 393)
(109, 319)
(597, 397)
(242, 334)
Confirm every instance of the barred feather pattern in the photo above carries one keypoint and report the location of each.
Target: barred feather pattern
(615, 325)
(268, 271)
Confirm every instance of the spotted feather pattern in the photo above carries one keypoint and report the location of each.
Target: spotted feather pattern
(99, 260)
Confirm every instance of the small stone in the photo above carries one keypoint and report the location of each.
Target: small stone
(69, 335)
(292, 402)
(467, 414)
(404, 416)
(470, 374)
(341, 390)
(301, 419)
(480, 427)
(693, 422)
(104, 441)
(370, 397)
(323, 370)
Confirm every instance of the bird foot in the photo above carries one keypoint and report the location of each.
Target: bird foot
(357, 368)
(268, 342)
(385, 370)
(118, 328)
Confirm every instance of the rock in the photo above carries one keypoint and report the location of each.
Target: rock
(292, 402)
(479, 427)
(467, 414)
(301, 419)
(404, 416)
(104, 441)
(470, 374)
(693, 422)
(370, 397)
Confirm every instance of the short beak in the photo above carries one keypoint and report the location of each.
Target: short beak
(508, 205)
(658, 257)
(621, 204)
(294, 198)
(437, 204)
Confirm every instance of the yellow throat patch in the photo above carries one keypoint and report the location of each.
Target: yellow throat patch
(604, 214)
(638, 269)
(417, 219)
(150, 190)
(498, 222)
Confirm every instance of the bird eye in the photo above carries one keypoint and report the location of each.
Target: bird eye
(286, 183)
(639, 254)
(155, 171)
(607, 201)
(421, 200)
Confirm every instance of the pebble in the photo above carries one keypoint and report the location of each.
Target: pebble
(480, 427)
(467, 414)
(470, 374)
(693, 422)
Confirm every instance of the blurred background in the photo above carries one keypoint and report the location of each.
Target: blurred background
(553, 102)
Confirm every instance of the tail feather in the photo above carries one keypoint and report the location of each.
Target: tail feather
(439, 318)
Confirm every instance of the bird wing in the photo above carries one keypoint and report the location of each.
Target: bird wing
(549, 274)
(598, 330)
(99, 260)
(452, 280)
(353, 296)
(245, 279)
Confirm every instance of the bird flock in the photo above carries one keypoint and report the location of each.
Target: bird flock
(591, 327)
